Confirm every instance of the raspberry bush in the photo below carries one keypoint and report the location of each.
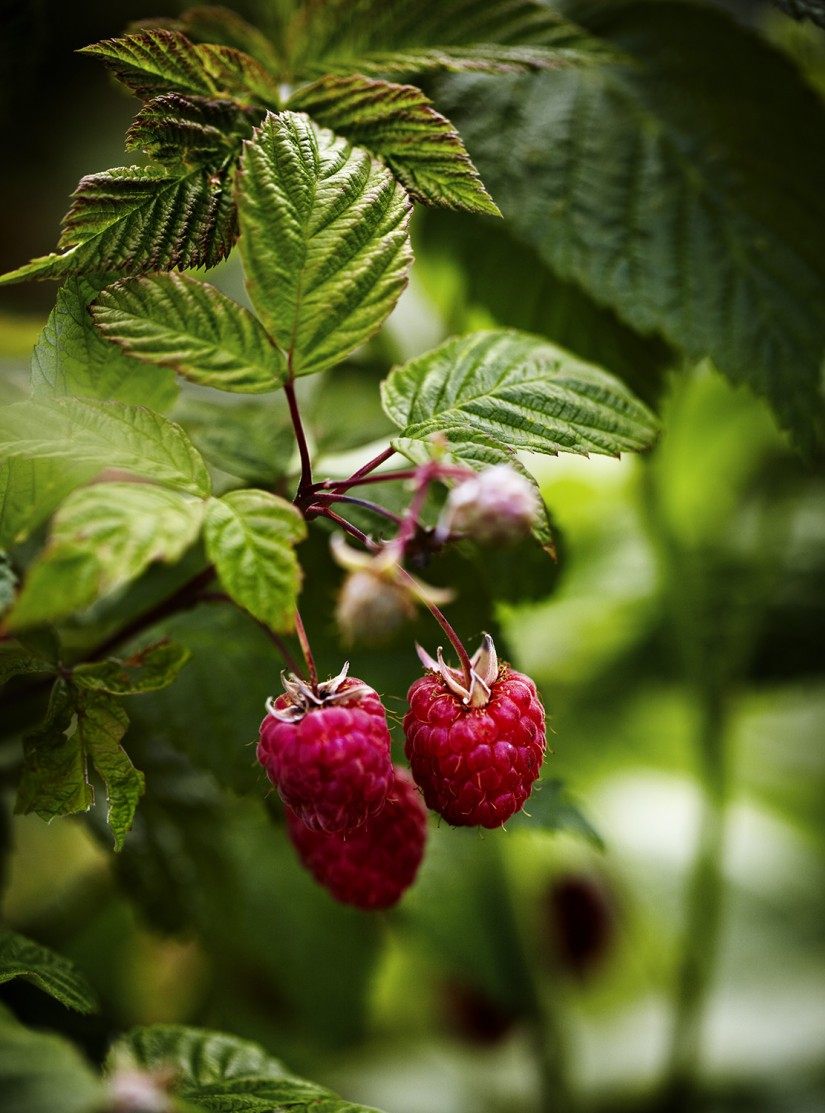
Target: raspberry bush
(236, 470)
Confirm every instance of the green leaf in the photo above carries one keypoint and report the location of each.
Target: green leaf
(682, 190)
(23, 958)
(16, 660)
(502, 36)
(253, 440)
(399, 123)
(8, 584)
(211, 23)
(550, 808)
(156, 61)
(30, 490)
(150, 669)
(53, 781)
(324, 240)
(104, 434)
(804, 9)
(71, 358)
(174, 128)
(224, 1073)
(103, 537)
(43, 1073)
(142, 218)
(250, 537)
(518, 390)
(80, 727)
(177, 322)
(101, 724)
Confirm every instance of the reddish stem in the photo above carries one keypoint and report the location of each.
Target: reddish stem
(348, 527)
(306, 650)
(300, 436)
(441, 619)
(375, 507)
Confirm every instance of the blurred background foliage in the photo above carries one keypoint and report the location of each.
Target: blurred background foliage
(679, 649)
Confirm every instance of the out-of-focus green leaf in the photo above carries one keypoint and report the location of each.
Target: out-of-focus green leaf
(102, 537)
(174, 321)
(150, 669)
(8, 584)
(225, 1073)
(16, 660)
(324, 240)
(101, 724)
(41, 1073)
(250, 538)
(550, 808)
(53, 781)
(399, 123)
(518, 390)
(30, 490)
(23, 958)
(71, 358)
(682, 189)
(103, 434)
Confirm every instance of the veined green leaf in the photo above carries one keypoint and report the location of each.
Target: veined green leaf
(149, 670)
(15, 660)
(250, 537)
(155, 61)
(324, 239)
(174, 128)
(53, 780)
(177, 322)
(251, 439)
(104, 434)
(224, 1073)
(404, 37)
(71, 358)
(142, 218)
(23, 958)
(683, 190)
(80, 727)
(101, 724)
(399, 123)
(30, 490)
(519, 390)
(102, 537)
(41, 1072)
(212, 23)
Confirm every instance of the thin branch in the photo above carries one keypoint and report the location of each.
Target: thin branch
(301, 633)
(441, 619)
(300, 436)
(375, 507)
(348, 527)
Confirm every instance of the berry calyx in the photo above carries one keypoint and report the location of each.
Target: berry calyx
(475, 745)
(327, 751)
(374, 865)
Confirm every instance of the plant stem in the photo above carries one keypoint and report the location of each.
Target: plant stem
(375, 507)
(305, 482)
(374, 463)
(347, 527)
(359, 481)
(301, 633)
(703, 909)
(441, 619)
(186, 596)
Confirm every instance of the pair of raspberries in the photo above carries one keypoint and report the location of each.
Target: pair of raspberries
(475, 745)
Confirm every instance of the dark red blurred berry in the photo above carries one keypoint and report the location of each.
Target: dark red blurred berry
(583, 919)
(372, 866)
(475, 1015)
(476, 764)
(330, 761)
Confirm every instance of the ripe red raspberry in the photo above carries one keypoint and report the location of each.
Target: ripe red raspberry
(475, 752)
(327, 751)
(372, 866)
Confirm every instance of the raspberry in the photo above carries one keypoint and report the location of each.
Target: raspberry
(372, 866)
(475, 752)
(327, 751)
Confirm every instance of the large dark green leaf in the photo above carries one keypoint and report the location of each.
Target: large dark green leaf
(41, 1073)
(683, 190)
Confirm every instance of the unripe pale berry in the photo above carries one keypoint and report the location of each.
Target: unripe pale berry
(494, 507)
(374, 865)
(371, 608)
